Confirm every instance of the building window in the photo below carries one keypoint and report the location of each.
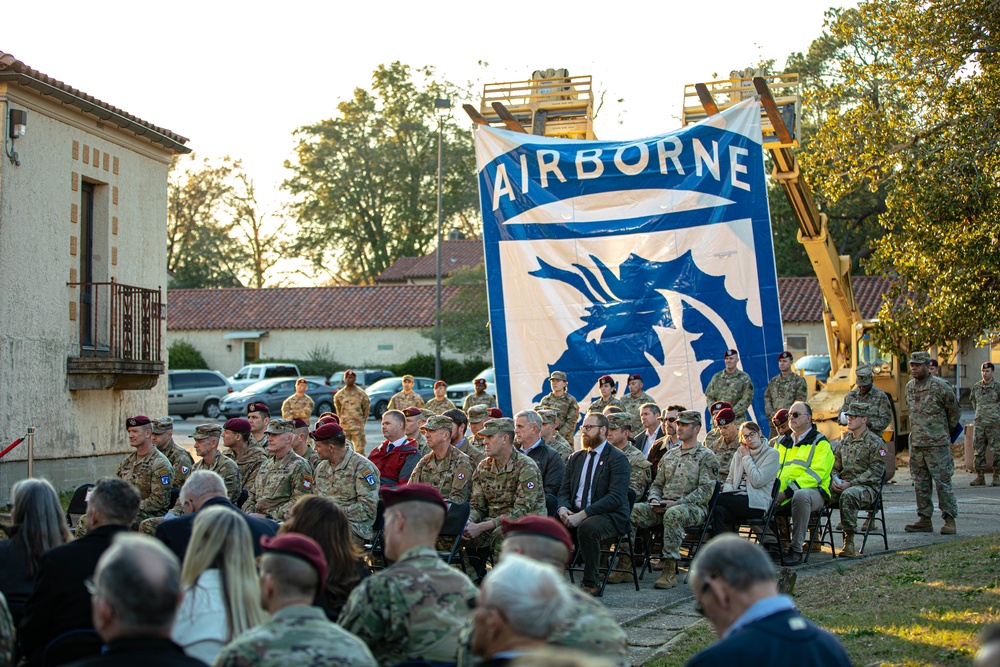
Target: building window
(995, 352)
(797, 345)
(251, 351)
(385, 346)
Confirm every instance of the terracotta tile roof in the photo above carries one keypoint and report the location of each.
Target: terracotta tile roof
(14, 71)
(344, 307)
(455, 254)
(801, 300)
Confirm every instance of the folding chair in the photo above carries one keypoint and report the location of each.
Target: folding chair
(451, 531)
(874, 513)
(815, 528)
(375, 549)
(694, 544)
(244, 496)
(764, 521)
(624, 537)
(78, 505)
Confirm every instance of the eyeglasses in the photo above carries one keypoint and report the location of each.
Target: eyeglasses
(795, 415)
(587, 427)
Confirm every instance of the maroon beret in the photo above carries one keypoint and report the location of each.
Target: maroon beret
(537, 525)
(731, 353)
(238, 425)
(479, 381)
(605, 379)
(784, 355)
(780, 417)
(440, 382)
(326, 431)
(138, 420)
(933, 362)
(300, 423)
(719, 405)
(329, 419)
(634, 376)
(988, 364)
(300, 546)
(350, 372)
(725, 416)
(413, 491)
(495, 413)
(258, 407)
(412, 411)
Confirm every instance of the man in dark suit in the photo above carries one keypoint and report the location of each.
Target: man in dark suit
(649, 415)
(59, 602)
(528, 436)
(593, 498)
(205, 488)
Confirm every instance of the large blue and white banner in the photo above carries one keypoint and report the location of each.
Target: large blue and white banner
(651, 256)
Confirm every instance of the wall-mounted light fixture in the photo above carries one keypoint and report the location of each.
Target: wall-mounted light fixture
(229, 347)
(17, 126)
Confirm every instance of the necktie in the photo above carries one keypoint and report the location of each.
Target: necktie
(388, 447)
(586, 478)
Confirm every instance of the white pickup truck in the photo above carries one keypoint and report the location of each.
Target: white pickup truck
(251, 373)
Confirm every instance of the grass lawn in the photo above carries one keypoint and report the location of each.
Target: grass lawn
(920, 607)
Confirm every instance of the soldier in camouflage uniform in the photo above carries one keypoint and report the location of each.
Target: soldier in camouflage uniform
(301, 446)
(236, 436)
(147, 469)
(461, 442)
(299, 404)
(733, 386)
(297, 633)
(478, 397)
(180, 460)
(415, 608)
(440, 403)
(352, 406)
(551, 435)
(347, 478)
(618, 434)
(506, 484)
(406, 398)
(607, 386)
(414, 420)
(445, 468)
(206, 444)
(477, 418)
(635, 398)
(282, 479)
(934, 412)
(724, 439)
(679, 496)
(879, 404)
(563, 404)
(986, 431)
(784, 388)
(858, 467)
(259, 416)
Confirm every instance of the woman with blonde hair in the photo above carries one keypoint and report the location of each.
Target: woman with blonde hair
(747, 491)
(221, 586)
(38, 525)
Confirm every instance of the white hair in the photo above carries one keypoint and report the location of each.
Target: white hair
(531, 595)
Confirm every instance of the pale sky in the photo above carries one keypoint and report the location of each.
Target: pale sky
(238, 78)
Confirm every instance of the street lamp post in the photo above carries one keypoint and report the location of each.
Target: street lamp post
(439, 105)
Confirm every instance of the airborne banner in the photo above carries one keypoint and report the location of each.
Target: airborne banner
(612, 258)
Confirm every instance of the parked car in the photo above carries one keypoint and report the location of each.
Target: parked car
(251, 373)
(815, 364)
(384, 389)
(457, 392)
(365, 377)
(190, 393)
(274, 392)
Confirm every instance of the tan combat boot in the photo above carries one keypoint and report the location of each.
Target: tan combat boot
(996, 478)
(668, 578)
(624, 563)
(980, 479)
(848, 551)
(923, 525)
(949, 526)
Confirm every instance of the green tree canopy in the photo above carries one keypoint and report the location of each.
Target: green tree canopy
(364, 184)
(465, 316)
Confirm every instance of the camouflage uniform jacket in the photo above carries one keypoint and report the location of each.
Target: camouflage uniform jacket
(452, 475)
(401, 401)
(180, 460)
(634, 403)
(279, 483)
(300, 636)
(568, 410)
(352, 406)
(474, 399)
(686, 476)
(353, 485)
(230, 473)
(782, 391)
(412, 610)
(640, 475)
(259, 444)
(422, 445)
(8, 639)
(879, 403)
(734, 388)
(600, 404)
(151, 475)
(558, 443)
(439, 407)
(860, 460)
(513, 490)
(723, 450)
(986, 402)
(591, 628)
(469, 448)
(249, 463)
(312, 457)
(297, 406)
(934, 411)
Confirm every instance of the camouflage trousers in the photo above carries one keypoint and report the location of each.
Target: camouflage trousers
(490, 539)
(674, 521)
(986, 435)
(852, 500)
(933, 465)
(356, 437)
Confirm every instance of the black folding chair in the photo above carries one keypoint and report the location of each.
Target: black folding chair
(612, 552)
(697, 533)
(816, 527)
(874, 513)
(451, 531)
(376, 553)
(244, 496)
(765, 521)
(78, 504)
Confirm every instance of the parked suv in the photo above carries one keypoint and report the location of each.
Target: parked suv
(274, 392)
(196, 392)
(364, 378)
(252, 373)
(457, 392)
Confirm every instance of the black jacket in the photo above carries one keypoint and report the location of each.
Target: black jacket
(551, 466)
(609, 490)
(141, 652)
(176, 533)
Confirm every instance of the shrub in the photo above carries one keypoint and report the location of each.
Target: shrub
(182, 355)
(320, 361)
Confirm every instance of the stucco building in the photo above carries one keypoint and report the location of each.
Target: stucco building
(83, 213)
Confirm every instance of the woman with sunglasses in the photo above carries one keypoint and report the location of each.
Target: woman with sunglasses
(746, 493)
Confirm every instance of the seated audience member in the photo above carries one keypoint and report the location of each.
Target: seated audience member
(859, 464)
(528, 438)
(38, 525)
(136, 591)
(652, 430)
(292, 572)
(668, 440)
(346, 478)
(736, 589)
(746, 493)
(780, 423)
(520, 604)
(323, 521)
(221, 589)
(397, 455)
